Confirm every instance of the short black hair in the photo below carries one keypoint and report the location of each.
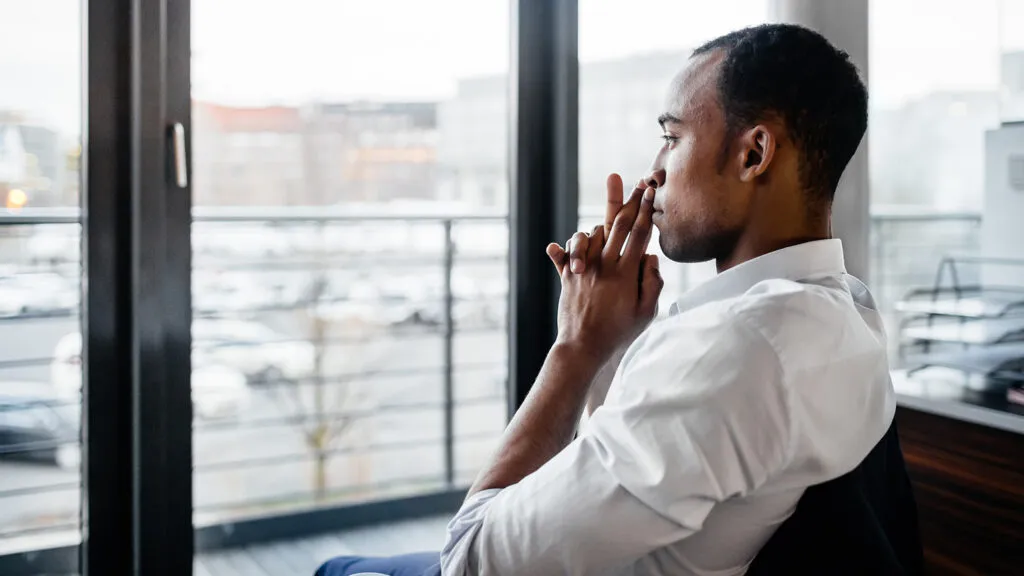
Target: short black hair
(796, 74)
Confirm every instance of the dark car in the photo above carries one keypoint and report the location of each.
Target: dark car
(37, 426)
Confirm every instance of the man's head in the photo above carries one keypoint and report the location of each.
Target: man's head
(758, 128)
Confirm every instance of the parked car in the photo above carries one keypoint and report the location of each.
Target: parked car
(22, 293)
(245, 241)
(217, 390)
(229, 293)
(48, 291)
(36, 425)
(14, 298)
(54, 243)
(255, 350)
(368, 300)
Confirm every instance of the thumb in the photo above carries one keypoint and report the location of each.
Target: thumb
(557, 256)
(651, 284)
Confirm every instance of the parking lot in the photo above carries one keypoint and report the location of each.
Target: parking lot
(293, 357)
(395, 432)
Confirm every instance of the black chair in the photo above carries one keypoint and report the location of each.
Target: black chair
(863, 523)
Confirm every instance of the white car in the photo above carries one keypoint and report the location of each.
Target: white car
(217, 390)
(253, 349)
(55, 243)
(35, 292)
(14, 298)
(240, 241)
(373, 304)
(243, 292)
(226, 293)
(47, 291)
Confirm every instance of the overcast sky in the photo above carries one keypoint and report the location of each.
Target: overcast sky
(288, 51)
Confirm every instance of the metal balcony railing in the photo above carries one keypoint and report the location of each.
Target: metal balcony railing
(360, 336)
(294, 301)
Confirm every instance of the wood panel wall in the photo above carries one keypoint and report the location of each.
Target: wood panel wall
(969, 485)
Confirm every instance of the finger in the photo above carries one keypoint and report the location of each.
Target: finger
(557, 256)
(596, 243)
(621, 226)
(640, 234)
(578, 252)
(651, 284)
(613, 188)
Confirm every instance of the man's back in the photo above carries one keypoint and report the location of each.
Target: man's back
(830, 354)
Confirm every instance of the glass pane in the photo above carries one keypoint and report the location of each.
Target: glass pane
(934, 93)
(40, 338)
(624, 78)
(1011, 65)
(350, 197)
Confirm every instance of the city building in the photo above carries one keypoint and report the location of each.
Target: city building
(33, 159)
(619, 103)
(473, 139)
(372, 151)
(321, 154)
(930, 151)
(247, 156)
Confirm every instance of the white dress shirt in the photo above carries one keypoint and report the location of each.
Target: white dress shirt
(767, 379)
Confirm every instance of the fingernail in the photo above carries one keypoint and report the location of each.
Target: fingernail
(649, 194)
(577, 266)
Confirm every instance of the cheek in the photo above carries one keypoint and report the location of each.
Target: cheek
(691, 188)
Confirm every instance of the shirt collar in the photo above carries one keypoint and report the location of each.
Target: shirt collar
(816, 258)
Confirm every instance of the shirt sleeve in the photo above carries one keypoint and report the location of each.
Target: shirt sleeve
(695, 417)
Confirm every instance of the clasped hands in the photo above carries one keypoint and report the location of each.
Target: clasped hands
(610, 285)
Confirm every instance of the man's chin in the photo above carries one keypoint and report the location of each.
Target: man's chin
(685, 251)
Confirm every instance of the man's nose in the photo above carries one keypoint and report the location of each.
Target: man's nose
(655, 178)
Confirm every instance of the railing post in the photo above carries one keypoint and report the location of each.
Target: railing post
(449, 330)
(876, 268)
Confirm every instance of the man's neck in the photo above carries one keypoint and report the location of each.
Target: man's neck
(752, 245)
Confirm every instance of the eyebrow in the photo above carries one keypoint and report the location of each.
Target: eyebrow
(668, 119)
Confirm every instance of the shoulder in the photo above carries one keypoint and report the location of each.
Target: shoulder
(707, 356)
(704, 390)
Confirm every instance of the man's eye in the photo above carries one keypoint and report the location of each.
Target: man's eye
(669, 138)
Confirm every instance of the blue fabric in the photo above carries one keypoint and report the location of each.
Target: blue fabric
(418, 564)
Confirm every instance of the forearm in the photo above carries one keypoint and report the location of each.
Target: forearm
(602, 382)
(546, 422)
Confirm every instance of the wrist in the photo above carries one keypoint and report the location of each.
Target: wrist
(579, 353)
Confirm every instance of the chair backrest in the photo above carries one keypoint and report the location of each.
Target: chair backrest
(864, 522)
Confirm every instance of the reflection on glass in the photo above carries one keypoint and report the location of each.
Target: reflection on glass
(934, 88)
(350, 202)
(40, 149)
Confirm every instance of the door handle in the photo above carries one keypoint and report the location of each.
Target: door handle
(178, 151)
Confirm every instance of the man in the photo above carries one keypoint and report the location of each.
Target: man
(769, 378)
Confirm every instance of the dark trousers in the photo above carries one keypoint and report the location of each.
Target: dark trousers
(418, 564)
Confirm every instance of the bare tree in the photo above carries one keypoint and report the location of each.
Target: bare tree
(325, 405)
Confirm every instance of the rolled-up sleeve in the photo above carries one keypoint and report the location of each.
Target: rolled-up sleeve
(684, 427)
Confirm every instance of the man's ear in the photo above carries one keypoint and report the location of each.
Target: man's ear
(756, 150)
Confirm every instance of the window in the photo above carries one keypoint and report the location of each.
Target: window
(40, 147)
(345, 380)
(943, 75)
(1011, 63)
(624, 78)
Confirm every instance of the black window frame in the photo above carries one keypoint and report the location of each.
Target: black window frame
(136, 257)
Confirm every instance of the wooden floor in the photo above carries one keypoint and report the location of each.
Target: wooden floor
(303, 556)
